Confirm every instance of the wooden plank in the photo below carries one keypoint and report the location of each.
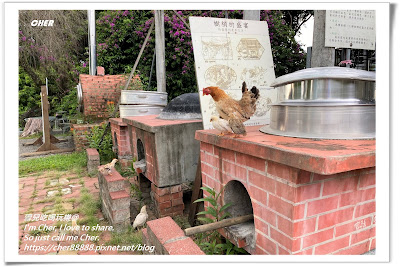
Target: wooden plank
(39, 141)
(56, 151)
(217, 225)
(47, 145)
(196, 194)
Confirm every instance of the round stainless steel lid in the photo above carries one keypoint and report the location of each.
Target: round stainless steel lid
(327, 89)
(325, 73)
(322, 121)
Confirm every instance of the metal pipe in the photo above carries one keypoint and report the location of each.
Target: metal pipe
(92, 42)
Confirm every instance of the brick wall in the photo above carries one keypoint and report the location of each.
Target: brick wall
(115, 200)
(168, 239)
(297, 211)
(98, 90)
(121, 141)
(79, 132)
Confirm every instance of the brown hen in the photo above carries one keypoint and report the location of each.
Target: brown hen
(236, 112)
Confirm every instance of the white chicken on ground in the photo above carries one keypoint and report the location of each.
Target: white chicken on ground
(221, 125)
(141, 218)
(106, 169)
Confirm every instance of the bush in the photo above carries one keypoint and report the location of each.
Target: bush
(121, 34)
(105, 148)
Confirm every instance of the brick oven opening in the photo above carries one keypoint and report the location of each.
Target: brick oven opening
(140, 150)
(236, 193)
(115, 146)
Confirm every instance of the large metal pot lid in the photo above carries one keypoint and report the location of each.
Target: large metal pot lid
(325, 73)
(144, 92)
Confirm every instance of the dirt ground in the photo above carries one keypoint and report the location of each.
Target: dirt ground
(67, 142)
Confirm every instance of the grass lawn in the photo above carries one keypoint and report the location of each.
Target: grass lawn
(63, 162)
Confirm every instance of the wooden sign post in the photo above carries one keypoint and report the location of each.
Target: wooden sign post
(47, 145)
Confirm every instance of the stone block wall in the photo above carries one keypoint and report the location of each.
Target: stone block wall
(93, 160)
(168, 238)
(115, 200)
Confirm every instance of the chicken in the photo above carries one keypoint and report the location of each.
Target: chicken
(106, 169)
(234, 111)
(141, 218)
(221, 125)
(75, 228)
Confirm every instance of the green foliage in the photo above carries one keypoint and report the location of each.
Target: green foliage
(213, 243)
(216, 211)
(135, 192)
(287, 53)
(105, 148)
(67, 162)
(29, 93)
(126, 238)
(58, 53)
(37, 232)
(68, 102)
(121, 34)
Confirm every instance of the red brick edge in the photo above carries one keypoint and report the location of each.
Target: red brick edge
(168, 238)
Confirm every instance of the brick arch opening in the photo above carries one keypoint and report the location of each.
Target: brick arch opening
(140, 150)
(115, 147)
(236, 193)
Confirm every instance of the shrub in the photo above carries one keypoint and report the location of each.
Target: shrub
(105, 148)
(121, 34)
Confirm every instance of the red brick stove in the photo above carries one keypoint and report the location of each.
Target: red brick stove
(309, 197)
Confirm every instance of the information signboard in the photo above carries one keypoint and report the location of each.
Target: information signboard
(350, 29)
(228, 52)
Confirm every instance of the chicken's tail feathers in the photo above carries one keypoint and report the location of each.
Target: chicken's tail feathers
(244, 87)
(237, 126)
(255, 92)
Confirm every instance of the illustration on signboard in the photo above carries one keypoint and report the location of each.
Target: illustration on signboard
(250, 48)
(220, 75)
(216, 48)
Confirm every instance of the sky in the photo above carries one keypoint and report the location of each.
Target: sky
(306, 35)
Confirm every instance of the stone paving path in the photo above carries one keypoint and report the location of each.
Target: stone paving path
(56, 193)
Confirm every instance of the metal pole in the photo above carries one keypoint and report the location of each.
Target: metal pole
(151, 70)
(92, 42)
(160, 51)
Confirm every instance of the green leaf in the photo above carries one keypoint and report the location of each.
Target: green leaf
(224, 207)
(211, 200)
(204, 212)
(209, 190)
(227, 214)
(199, 200)
(213, 211)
